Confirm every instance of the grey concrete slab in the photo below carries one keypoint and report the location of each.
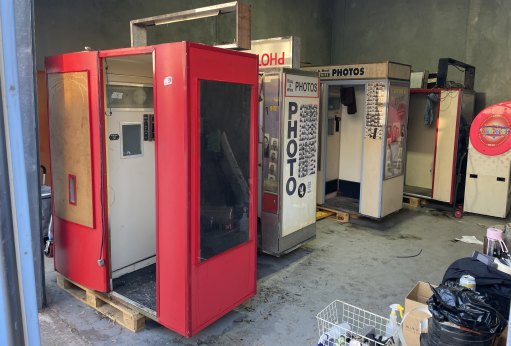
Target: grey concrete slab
(419, 32)
(356, 263)
(62, 26)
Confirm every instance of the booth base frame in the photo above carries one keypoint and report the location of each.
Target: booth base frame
(105, 304)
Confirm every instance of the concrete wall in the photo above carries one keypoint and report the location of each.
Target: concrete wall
(67, 26)
(416, 32)
(419, 32)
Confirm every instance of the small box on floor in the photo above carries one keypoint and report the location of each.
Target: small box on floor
(417, 298)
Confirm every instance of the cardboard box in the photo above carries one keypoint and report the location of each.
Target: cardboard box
(502, 341)
(417, 298)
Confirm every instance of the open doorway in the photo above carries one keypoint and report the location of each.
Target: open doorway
(343, 131)
(439, 126)
(421, 144)
(130, 148)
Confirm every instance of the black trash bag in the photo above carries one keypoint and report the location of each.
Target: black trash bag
(440, 334)
(489, 280)
(465, 308)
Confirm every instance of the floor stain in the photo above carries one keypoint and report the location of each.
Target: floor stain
(438, 213)
(403, 236)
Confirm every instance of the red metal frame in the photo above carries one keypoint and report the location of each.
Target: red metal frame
(172, 207)
(126, 51)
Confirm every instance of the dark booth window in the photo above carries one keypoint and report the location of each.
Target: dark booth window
(224, 166)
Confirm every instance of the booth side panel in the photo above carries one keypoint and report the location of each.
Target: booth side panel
(299, 165)
(446, 145)
(372, 172)
(75, 120)
(392, 195)
(172, 186)
(272, 151)
(222, 280)
(487, 189)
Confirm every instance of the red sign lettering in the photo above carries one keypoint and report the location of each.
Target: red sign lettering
(271, 59)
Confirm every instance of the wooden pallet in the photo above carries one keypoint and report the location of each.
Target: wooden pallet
(321, 214)
(415, 202)
(103, 303)
(340, 216)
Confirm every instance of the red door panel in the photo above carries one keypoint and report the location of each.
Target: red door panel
(224, 279)
(172, 187)
(79, 238)
(192, 293)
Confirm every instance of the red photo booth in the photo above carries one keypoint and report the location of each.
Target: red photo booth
(154, 158)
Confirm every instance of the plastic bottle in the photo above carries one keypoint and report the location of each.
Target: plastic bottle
(392, 325)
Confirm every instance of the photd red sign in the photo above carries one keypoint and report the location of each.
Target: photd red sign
(490, 133)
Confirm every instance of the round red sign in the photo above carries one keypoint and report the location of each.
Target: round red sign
(490, 133)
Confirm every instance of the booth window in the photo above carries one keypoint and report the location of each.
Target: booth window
(396, 130)
(224, 166)
(131, 140)
(72, 189)
(129, 96)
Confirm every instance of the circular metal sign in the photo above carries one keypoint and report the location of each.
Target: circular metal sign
(490, 133)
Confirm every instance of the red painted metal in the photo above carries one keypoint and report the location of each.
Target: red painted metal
(125, 51)
(171, 123)
(270, 203)
(490, 133)
(77, 247)
(224, 281)
(190, 294)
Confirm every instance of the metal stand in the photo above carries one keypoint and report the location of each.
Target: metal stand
(138, 27)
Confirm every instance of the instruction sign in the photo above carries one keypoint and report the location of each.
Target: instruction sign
(300, 152)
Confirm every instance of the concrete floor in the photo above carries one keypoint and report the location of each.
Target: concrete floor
(351, 262)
